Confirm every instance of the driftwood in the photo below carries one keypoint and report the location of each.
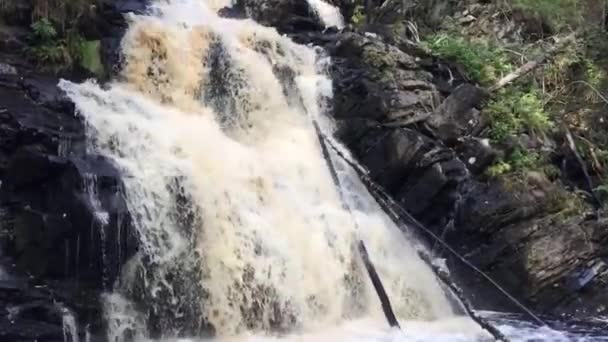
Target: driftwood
(581, 161)
(531, 65)
(369, 266)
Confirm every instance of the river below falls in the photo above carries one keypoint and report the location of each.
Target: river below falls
(515, 327)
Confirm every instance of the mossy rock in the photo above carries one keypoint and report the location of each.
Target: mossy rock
(90, 57)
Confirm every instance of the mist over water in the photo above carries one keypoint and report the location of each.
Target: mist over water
(242, 231)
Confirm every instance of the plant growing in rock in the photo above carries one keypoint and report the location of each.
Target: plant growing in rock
(47, 49)
(482, 61)
(516, 111)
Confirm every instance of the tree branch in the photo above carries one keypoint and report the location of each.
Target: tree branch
(531, 65)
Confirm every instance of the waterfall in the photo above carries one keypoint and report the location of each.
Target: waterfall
(240, 226)
(70, 329)
(329, 15)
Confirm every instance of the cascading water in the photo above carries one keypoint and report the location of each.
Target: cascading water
(241, 228)
(329, 15)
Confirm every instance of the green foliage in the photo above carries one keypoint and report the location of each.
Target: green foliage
(50, 51)
(482, 61)
(518, 160)
(358, 17)
(498, 169)
(514, 112)
(521, 159)
(565, 203)
(560, 13)
(44, 31)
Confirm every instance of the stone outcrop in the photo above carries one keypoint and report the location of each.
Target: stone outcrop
(65, 229)
(64, 219)
(287, 16)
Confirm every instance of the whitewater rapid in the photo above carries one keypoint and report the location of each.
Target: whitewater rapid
(241, 229)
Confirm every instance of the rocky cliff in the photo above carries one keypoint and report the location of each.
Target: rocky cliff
(65, 227)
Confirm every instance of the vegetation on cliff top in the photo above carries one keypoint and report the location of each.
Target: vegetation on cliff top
(56, 42)
(529, 121)
(563, 96)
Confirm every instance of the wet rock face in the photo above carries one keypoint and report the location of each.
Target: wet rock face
(64, 220)
(65, 229)
(381, 95)
(58, 198)
(287, 16)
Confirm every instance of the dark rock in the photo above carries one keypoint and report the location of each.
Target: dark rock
(231, 12)
(108, 25)
(376, 87)
(65, 228)
(457, 115)
(287, 16)
(64, 219)
(377, 81)
(477, 154)
(555, 266)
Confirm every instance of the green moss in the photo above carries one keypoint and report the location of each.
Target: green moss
(358, 17)
(377, 59)
(564, 202)
(90, 57)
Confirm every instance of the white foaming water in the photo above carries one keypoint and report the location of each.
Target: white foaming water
(329, 15)
(241, 228)
(70, 329)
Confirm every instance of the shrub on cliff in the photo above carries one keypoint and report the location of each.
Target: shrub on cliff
(48, 50)
(483, 62)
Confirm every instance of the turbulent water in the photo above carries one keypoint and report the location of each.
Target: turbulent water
(243, 234)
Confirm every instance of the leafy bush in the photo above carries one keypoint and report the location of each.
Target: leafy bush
(514, 112)
(518, 160)
(44, 31)
(48, 50)
(483, 62)
(358, 17)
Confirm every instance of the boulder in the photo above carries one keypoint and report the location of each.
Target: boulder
(457, 115)
(287, 16)
(476, 153)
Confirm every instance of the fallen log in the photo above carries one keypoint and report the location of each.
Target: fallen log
(466, 304)
(531, 65)
(373, 275)
(369, 266)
